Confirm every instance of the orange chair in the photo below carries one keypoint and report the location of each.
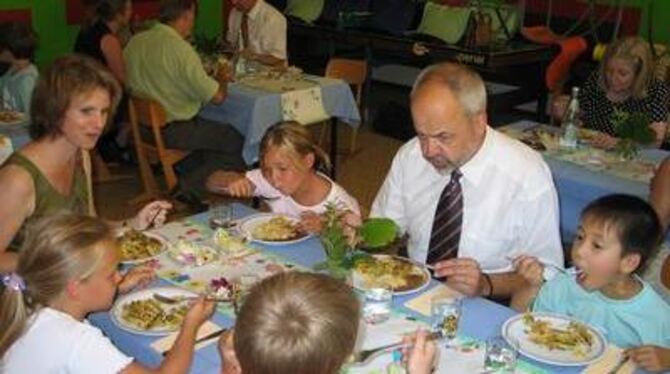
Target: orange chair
(149, 113)
(353, 72)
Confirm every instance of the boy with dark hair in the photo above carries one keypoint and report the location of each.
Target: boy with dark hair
(616, 237)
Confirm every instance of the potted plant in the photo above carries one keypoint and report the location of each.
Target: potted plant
(340, 238)
(633, 131)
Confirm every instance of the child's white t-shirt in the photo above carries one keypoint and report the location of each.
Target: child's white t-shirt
(54, 342)
(285, 204)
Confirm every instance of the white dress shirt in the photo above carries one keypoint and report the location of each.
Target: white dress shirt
(510, 206)
(267, 30)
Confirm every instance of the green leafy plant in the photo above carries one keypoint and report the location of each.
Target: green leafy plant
(335, 243)
(633, 131)
(378, 232)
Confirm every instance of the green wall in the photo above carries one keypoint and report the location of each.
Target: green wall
(57, 37)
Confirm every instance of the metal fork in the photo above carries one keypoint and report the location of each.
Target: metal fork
(569, 271)
(366, 356)
(180, 299)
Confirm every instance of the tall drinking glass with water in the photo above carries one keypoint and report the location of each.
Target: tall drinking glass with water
(446, 314)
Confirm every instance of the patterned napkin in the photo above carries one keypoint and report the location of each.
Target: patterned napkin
(164, 344)
(275, 85)
(422, 303)
(609, 362)
(303, 106)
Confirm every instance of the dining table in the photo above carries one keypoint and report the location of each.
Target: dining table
(12, 137)
(480, 318)
(586, 173)
(253, 104)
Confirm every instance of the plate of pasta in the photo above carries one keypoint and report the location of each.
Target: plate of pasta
(555, 339)
(138, 246)
(10, 117)
(272, 229)
(402, 275)
(141, 313)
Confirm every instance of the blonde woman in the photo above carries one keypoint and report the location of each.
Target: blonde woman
(290, 178)
(68, 268)
(624, 81)
(71, 104)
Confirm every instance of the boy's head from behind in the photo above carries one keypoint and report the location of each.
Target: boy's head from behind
(296, 323)
(617, 235)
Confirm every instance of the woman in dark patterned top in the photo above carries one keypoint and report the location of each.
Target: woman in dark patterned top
(624, 81)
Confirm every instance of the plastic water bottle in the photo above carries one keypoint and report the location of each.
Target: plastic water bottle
(570, 121)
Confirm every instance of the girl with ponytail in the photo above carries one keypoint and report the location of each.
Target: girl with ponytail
(67, 268)
(291, 178)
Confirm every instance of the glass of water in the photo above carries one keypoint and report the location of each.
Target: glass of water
(377, 304)
(446, 313)
(220, 215)
(500, 356)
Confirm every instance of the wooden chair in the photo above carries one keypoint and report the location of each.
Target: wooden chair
(353, 72)
(149, 113)
(665, 273)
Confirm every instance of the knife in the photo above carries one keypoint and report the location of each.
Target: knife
(204, 338)
(622, 362)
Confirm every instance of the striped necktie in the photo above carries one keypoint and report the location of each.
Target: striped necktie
(446, 232)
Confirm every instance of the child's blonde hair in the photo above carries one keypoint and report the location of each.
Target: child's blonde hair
(296, 141)
(636, 52)
(57, 249)
(298, 323)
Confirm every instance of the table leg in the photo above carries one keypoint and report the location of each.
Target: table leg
(333, 148)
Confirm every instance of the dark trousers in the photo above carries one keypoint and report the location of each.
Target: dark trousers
(213, 146)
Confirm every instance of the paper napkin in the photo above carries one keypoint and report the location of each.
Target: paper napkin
(422, 303)
(609, 361)
(164, 344)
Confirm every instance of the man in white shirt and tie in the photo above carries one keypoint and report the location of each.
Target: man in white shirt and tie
(258, 30)
(470, 198)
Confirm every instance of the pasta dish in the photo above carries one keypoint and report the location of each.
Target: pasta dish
(10, 116)
(276, 229)
(134, 245)
(390, 272)
(149, 314)
(576, 338)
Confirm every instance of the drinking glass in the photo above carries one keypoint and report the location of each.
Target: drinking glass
(446, 312)
(220, 215)
(377, 304)
(500, 356)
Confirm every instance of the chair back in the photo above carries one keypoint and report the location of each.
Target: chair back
(351, 71)
(146, 112)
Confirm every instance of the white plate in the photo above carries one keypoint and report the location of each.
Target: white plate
(248, 224)
(359, 283)
(147, 293)
(195, 256)
(514, 330)
(164, 246)
(21, 118)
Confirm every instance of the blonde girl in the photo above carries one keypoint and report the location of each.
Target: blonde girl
(290, 178)
(66, 269)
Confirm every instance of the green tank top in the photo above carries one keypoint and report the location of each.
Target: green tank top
(47, 199)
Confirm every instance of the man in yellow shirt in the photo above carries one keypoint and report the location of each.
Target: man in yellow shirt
(162, 65)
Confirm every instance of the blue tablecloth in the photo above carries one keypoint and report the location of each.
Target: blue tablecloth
(481, 318)
(18, 133)
(577, 186)
(253, 111)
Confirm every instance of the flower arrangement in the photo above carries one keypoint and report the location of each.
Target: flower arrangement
(633, 131)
